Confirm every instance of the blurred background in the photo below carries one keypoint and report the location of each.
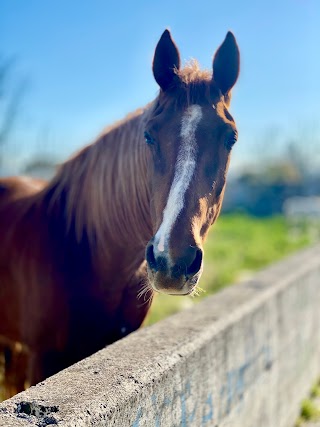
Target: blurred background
(68, 69)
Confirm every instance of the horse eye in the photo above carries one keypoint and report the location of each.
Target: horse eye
(231, 141)
(148, 138)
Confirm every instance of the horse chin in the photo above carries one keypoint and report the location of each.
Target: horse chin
(175, 287)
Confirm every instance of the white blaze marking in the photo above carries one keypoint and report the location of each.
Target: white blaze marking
(184, 169)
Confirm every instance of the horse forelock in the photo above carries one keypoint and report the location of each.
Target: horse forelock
(193, 85)
(192, 73)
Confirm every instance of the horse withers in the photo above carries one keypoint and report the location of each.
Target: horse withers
(124, 217)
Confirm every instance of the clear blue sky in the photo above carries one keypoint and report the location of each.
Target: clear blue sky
(89, 62)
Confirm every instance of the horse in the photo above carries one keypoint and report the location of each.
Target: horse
(123, 218)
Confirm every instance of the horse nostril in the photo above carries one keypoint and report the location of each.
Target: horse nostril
(150, 257)
(195, 266)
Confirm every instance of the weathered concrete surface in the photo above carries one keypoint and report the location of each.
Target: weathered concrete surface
(245, 357)
(311, 424)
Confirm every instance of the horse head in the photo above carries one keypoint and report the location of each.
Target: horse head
(190, 134)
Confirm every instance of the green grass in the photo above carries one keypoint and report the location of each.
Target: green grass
(315, 391)
(237, 246)
(310, 407)
(309, 410)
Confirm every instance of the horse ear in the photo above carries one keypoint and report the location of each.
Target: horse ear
(226, 64)
(166, 59)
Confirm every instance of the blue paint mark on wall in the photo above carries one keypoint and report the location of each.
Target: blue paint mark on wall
(231, 393)
(208, 416)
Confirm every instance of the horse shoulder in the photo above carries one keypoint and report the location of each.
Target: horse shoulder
(17, 216)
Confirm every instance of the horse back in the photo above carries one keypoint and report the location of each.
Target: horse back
(13, 188)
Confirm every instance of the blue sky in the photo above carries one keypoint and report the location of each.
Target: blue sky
(89, 63)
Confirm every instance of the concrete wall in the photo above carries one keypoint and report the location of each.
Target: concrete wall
(242, 358)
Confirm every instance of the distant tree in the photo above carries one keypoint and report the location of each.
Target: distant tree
(302, 150)
(288, 167)
(40, 168)
(297, 149)
(10, 96)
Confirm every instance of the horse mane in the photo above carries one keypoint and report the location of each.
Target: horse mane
(98, 190)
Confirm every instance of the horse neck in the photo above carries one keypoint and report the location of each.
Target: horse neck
(103, 192)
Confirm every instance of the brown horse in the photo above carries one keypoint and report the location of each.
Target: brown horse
(125, 216)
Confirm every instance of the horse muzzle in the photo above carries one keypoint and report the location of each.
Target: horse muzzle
(174, 278)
